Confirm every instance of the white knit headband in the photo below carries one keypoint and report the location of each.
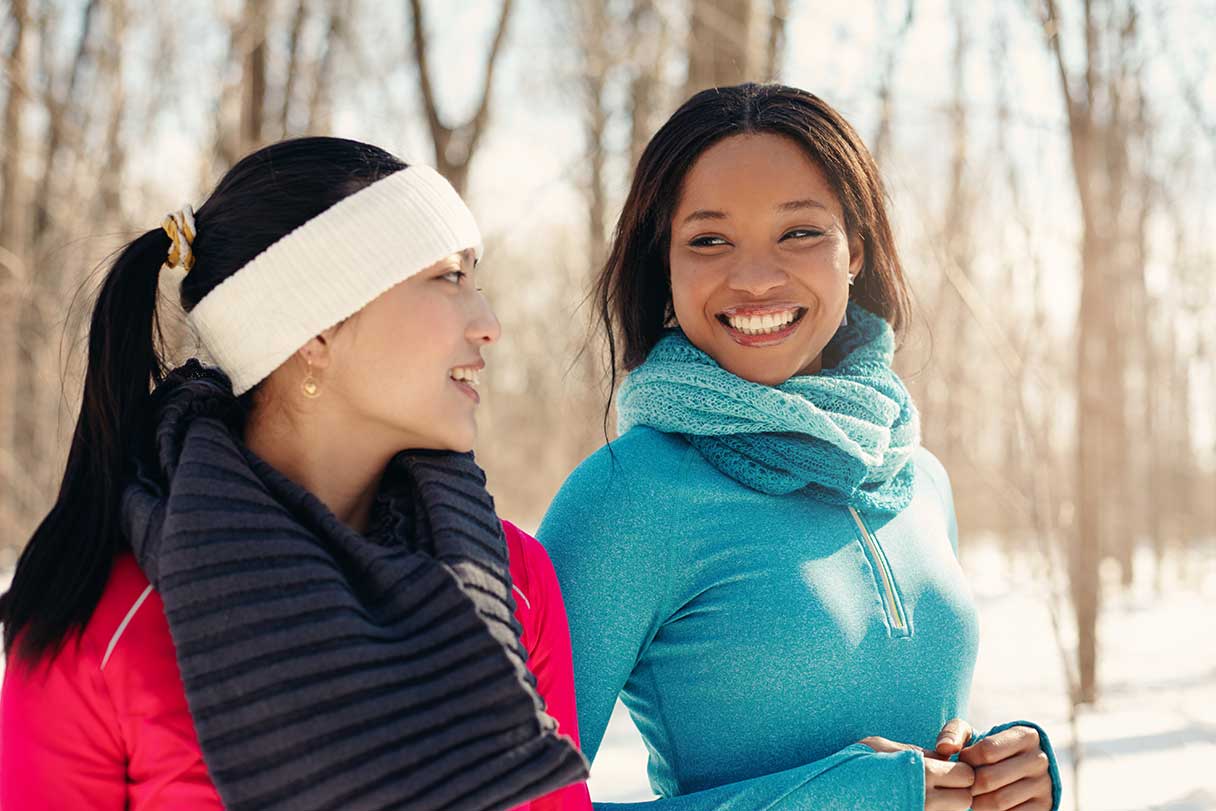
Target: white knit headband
(330, 268)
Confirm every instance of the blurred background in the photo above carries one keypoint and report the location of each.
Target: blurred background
(1051, 166)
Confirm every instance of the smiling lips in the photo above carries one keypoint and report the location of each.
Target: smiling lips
(761, 326)
(466, 378)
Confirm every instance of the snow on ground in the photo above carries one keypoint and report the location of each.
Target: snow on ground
(1150, 742)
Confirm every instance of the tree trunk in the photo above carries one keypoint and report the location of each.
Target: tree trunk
(1097, 124)
(13, 208)
(110, 182)
(319, 112)
(647, 32)
(943, 414)
(294, 45)
(721, 50)
(880, 144)
(455, 146)
(253, 75)
(14, 253)
(597, 156)
(774, 54)
(60, 109)
(1091, 397)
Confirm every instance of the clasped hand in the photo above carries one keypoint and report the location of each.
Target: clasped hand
(1007, 771)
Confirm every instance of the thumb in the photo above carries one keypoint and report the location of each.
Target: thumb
(955, 735)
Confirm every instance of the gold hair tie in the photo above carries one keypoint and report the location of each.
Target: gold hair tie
(180, 227)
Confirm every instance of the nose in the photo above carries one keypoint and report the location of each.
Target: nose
(484, 328)
(756, 276)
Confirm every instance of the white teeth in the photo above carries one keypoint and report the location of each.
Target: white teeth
(762, 324)
(468, 375)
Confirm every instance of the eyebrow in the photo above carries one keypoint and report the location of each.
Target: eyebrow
(796, 205)
(705, 214)
(791, 205)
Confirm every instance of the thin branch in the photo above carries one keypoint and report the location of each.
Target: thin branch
(298, 21)
(477, 125)
(465, 137)
(439, 133)
(1051, 28)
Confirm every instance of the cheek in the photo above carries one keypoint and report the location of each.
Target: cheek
(690, 289)
(836, 254)
(824, 270)
(404, 351)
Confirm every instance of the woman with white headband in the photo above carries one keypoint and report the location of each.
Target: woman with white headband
(277, 580)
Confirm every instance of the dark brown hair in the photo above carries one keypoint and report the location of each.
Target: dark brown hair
(633, 290)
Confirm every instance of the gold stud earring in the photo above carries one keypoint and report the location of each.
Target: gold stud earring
(310, 386)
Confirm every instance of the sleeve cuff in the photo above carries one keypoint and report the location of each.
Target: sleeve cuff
(907, 789)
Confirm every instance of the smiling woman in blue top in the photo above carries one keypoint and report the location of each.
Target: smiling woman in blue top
(763, 566)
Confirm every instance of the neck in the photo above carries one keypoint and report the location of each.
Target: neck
(319, 453)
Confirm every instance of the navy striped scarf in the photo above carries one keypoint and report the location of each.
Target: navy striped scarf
(328, 669)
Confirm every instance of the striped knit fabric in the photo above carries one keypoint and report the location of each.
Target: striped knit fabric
(328, 669)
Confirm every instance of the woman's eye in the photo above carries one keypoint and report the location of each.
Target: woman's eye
(454, 276)
(707, 242)
(802, 233)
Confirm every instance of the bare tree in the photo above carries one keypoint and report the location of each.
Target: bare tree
(647, 34)
(880, 144)
(1096, 106)
(254, 23)
(295, 48)
(13, 257)
(721, 44)
(12, 204)
(775, 52)
(114, 149)
(455, 145)
(336, 34)
(593, 19)
(61, 106)
(954, 244)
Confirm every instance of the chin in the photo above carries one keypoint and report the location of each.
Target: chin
(464, 441)
(765, 377)
(770, 371)
(456, 441)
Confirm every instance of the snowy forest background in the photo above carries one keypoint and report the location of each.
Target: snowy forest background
(1051, 165)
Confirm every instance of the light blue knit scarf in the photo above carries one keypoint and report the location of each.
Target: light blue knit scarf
(844, 435)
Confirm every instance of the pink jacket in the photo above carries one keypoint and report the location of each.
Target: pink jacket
(104, 725)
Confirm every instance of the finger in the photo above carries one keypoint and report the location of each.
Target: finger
(1043, 804)
(999, 775)
(1001, 746)
(954, 736)
(881, 744)
(945, 774)
(1026, 790)
(947, 799)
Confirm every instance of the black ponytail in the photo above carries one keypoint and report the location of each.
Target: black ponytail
(63, 570)
(70, 553)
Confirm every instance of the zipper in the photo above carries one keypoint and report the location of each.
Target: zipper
(894, 606)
